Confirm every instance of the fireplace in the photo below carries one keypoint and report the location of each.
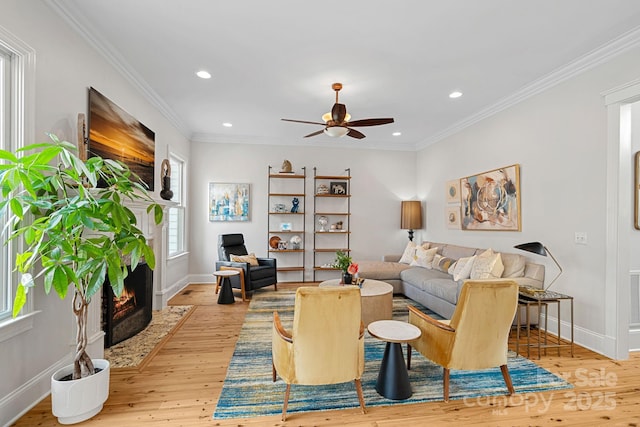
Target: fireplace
(128, 314)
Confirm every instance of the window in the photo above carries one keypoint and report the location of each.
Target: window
(17, 71)
(6, 294)
(176, 214)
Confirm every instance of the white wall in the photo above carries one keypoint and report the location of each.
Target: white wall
(380, 180)
(65, 68)
(559, 138)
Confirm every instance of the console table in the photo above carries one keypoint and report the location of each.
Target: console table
(542, 299)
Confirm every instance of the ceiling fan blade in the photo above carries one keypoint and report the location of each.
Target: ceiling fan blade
(371, 122)
(303, 121)
(338, 112)
(314, 133)
(355, 134)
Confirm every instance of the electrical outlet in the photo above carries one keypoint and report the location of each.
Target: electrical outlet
(581, 238)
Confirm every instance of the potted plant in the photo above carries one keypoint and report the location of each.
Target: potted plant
(344, 262)
(72, 234)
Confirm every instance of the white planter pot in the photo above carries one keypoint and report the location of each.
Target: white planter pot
(78, 400)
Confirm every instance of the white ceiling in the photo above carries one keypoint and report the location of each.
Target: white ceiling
(277, 59)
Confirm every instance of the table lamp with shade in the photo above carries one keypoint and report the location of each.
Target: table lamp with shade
(540, 249)
(411, 216)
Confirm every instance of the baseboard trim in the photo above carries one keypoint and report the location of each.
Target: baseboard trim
(29, 394)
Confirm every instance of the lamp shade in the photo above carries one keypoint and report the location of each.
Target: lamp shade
(411, 215)
(336, 131)
(540, 249)
(533, 247)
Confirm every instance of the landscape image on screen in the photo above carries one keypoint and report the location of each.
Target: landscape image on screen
(115, 134)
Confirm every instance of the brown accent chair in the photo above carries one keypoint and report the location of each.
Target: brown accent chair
(477, 335)
(326, 343)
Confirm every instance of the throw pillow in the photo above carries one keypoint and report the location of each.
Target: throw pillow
(408, 254)
(441, 263)
(251, 259)
(424, 257)
(463, 268)
(514, 265)
(488, 265)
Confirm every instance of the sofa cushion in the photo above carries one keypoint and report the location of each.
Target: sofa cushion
(462, 268)
(457, 252)
(408, 254)
(432, 282)
(380, 270)
(441, 263)
(423, 257)
(487, 265)
(514, 265)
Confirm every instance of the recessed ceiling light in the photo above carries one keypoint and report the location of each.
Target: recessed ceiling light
(203, 74)
(227, 124)
(396, 133)
(455, 94)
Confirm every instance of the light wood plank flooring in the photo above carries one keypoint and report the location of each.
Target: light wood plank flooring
(179, 386)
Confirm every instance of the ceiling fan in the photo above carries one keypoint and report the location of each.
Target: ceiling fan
(337, 122)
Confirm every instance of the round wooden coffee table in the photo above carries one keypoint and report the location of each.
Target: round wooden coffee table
(376, 296)
(393, 378)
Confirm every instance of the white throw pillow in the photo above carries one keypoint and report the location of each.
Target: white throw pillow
(514, 265)
(488, 265)
(424, 257)
(408, 254)
(463, 267)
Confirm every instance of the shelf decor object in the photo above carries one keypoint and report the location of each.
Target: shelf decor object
(411, 216)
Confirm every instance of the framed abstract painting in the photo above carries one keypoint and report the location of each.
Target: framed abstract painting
(491, 200)
(228, 202)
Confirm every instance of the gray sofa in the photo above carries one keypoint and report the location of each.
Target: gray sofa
(436, 289)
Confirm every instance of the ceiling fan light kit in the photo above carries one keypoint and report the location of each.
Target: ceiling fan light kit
(337, 123)
(336, 131)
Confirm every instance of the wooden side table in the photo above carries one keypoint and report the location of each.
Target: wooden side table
(226, 291)
(393, 378)
(542, 300)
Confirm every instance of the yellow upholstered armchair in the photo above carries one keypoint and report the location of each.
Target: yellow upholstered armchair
(477, 335)
(326, 343)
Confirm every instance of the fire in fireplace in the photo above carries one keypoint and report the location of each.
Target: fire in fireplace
(125, 315)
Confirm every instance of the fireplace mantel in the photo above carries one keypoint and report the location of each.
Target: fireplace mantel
(156, 236)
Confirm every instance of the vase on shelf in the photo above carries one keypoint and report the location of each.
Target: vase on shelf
(346, 278)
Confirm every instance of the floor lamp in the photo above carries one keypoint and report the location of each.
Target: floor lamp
(411, 216)
(540, 249)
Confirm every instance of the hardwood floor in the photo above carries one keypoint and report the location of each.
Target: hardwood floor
(179, 386)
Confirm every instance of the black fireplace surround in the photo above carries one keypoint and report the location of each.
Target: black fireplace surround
(125, 316)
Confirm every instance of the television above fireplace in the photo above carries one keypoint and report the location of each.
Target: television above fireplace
(115, 134)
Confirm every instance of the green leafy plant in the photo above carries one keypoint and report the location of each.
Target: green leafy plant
(70, 233)
(342, 261)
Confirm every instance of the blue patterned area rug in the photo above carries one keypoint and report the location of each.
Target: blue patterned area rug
(249, 391)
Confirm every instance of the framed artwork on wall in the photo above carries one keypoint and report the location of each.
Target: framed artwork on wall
(228, 202)
(491, 200)
(452, 217)
(453, 191)
(116, 134)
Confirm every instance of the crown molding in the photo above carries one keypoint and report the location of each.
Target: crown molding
(606, 52)
(118, 62)
(212, 138)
